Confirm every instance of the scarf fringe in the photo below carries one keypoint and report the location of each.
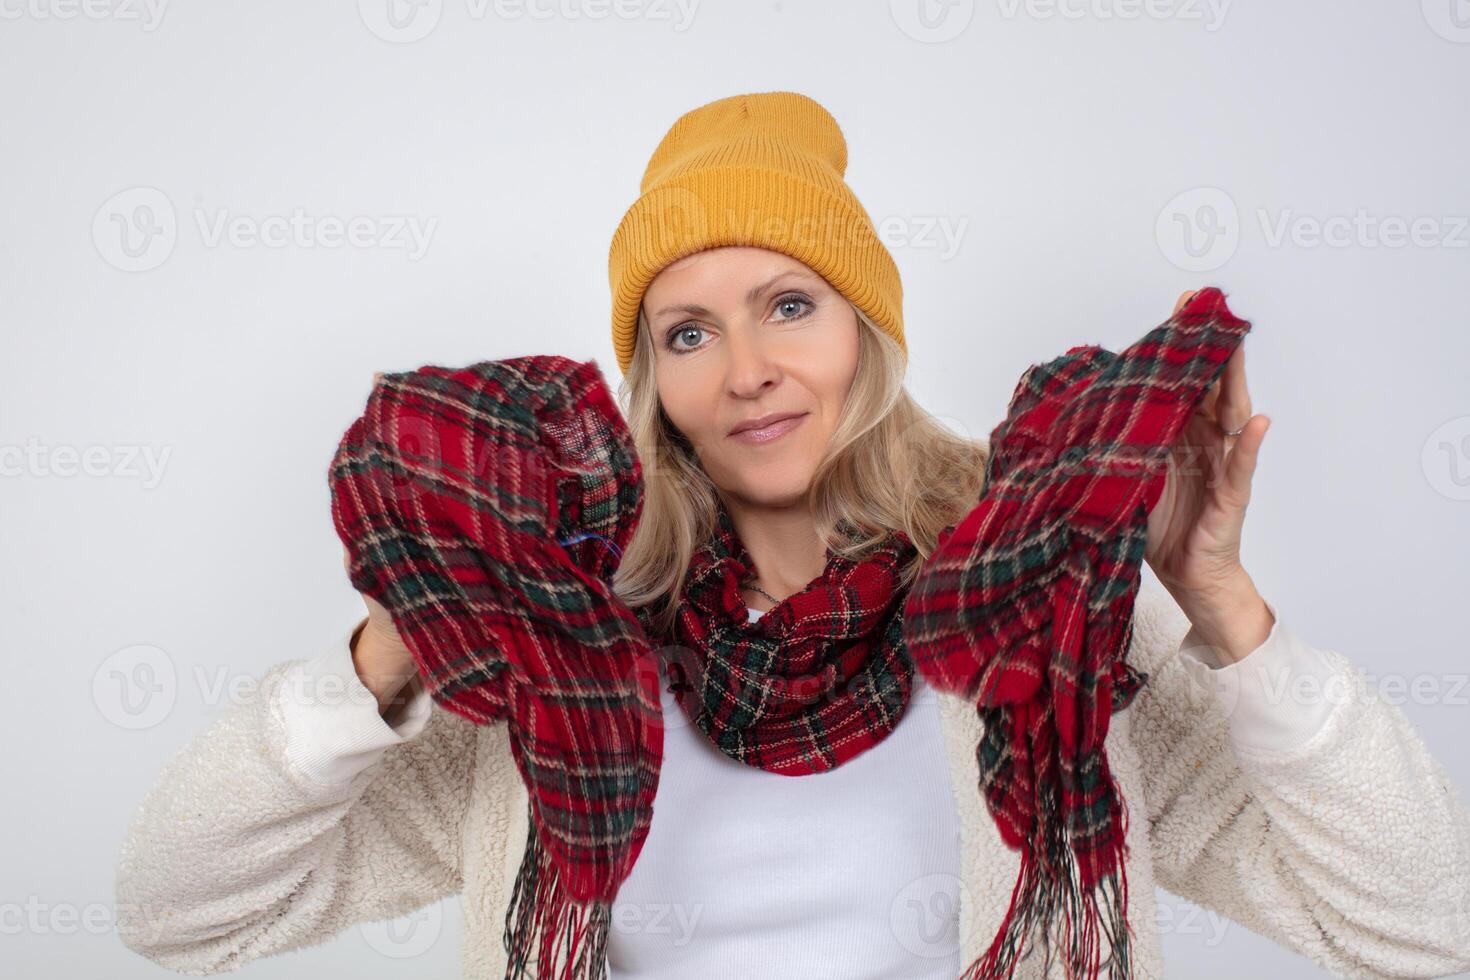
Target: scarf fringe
(544, 932)
(1040, 897)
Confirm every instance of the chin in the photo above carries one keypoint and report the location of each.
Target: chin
(773, 486)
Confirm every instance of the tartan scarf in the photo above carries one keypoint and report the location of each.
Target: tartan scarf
(488, 508)
(1025, 609)
(821, 677)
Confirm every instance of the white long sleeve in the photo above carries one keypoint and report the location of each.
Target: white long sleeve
(292, 817)
(1281, 793)
(1256, 689)
(332, 725)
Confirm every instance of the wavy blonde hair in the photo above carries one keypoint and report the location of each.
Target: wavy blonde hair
(889, 465)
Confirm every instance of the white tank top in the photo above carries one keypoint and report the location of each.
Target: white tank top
(853, 872)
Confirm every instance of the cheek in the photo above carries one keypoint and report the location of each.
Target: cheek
(833, 362)
(685, 400)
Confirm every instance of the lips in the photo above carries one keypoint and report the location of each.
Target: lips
(768, 427)
(763, 421)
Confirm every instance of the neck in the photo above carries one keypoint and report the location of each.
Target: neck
(783, 546)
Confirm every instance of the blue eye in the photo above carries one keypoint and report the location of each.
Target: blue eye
(787, 300)
(795, 298)
(669, 340)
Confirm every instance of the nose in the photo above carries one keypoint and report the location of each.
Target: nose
(750, 368)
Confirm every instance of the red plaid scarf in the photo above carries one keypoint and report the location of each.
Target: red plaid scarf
(818, 679)
(1025, 608)
(487, 508)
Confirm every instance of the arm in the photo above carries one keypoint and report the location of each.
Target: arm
(293, 816)
(1320, 822)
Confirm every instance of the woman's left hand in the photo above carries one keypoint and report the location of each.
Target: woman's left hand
(1194, 528)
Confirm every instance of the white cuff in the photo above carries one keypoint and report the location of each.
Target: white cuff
(333, 728)
(1276, 697)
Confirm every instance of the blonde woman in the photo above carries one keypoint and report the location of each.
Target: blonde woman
(757, 319)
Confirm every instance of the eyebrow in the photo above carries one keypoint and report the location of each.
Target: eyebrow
(750, 297)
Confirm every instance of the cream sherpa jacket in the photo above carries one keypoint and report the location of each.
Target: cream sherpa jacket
(1278, 791)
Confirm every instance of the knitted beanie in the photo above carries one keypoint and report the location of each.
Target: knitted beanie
(764, 169)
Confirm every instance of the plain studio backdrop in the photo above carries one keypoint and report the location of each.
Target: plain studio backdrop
(220, 220)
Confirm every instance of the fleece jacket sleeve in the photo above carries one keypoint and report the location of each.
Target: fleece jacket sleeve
(297, 813)
(1286, 795)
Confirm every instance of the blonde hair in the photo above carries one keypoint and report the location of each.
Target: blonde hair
(889, 465)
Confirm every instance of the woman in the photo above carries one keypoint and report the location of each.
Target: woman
(757, 318)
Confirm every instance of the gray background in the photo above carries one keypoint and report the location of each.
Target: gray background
(1089, 156)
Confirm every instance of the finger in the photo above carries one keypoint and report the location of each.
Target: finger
(1222, 398)
(1207, 405)
(1234, 409)
(1240, 465)
(1210, 404)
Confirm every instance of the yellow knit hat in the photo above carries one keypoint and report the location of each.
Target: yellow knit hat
(764, 169)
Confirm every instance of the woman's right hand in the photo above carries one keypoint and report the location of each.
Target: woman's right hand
(383, 661)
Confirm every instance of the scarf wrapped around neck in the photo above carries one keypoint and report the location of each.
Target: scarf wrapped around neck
(488, 508)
